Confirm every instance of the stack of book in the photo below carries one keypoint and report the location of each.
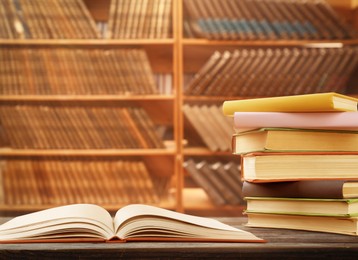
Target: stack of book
(299, 159)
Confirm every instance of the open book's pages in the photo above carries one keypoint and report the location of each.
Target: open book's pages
(135, 222)
(70, 221)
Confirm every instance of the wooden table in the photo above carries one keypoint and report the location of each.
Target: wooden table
(282, 244)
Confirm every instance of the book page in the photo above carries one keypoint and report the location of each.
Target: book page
(54, 217)
(137, 210)
(56, 229)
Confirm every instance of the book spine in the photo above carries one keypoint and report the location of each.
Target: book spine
(88, 21)
(216, 179)
(224, 177)
(199, 178)
(330, 189)
(194, 116)
(166, 31)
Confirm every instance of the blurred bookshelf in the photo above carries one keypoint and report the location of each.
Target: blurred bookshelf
(109, 58)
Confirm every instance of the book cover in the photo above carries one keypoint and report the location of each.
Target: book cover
(321, 189)
(294, 140)
(328, 120)
(339, 225)
(319, 102)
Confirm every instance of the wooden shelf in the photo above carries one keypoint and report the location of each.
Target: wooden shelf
(87, 97)
(86, 42)
(276, 43)
(222, 99)
(202, 151)
(210, 98)
(166, 203)
(195, 199)
(87, 152)
(174, 56)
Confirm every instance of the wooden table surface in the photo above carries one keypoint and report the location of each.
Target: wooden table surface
(281, 244)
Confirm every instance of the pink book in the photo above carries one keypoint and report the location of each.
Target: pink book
(328, 120)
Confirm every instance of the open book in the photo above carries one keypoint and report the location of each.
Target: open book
(88, 222)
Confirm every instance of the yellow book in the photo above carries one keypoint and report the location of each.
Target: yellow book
(319, 102)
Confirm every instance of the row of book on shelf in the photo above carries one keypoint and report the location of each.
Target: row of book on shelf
(299, 160)
(61, 181)
(76, 71)
(138, 19)
(263, 20)
(71, 19)
(220, 181)
(274, 72)
(77, 127)
(212, 127)
(242, 72)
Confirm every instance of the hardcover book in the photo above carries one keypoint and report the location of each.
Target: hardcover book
(270, 167)
(303, 206)
(328, 120)
(339, 225)
(323, 189)
(319, 102)
(294, 140)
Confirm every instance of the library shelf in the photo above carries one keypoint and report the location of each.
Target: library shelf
(44, 98)
(197, 201)
(268, 43)
(12, 210)
(83, 42)
(202, 151)
(176, 55)
(87, 152)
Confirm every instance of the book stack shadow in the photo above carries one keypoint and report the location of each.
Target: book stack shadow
(299, 157)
